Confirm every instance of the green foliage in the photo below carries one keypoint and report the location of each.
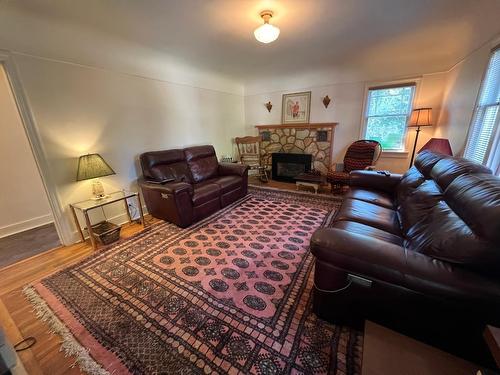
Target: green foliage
(387, 113)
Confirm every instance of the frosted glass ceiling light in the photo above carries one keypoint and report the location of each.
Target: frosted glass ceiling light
(266, 33)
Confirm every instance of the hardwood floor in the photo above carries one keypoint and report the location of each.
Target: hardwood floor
(17, 317)
(25, 244)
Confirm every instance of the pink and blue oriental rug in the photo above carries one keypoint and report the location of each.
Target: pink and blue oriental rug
(231, 294)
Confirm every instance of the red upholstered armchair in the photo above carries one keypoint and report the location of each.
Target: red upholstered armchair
(360, 155)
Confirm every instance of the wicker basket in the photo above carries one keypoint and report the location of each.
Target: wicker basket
(106, 232)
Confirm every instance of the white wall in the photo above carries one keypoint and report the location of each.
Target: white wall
(23, 202)
(461, 90)
(80, 110)
(345, 108)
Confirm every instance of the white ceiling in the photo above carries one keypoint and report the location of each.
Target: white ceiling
(217, 35)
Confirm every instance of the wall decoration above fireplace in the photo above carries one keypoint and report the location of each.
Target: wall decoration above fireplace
(296, 108)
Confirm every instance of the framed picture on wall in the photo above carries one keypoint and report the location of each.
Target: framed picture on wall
(296, 108)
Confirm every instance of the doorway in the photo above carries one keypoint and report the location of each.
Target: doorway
(26, 220)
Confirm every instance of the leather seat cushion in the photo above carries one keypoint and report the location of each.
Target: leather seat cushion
(205, 192)
(227, 183)
(366, 230)
(412, 179)
(419, 204)
(370, 214)
(379, 198)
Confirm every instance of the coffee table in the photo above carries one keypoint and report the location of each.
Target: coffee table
(310, 180)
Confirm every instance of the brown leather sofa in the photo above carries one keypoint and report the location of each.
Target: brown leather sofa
(417, 252)
(185, 186)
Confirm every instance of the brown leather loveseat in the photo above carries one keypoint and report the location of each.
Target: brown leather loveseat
(419, 253)
(185, 186)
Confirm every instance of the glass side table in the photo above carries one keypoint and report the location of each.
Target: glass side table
(91, 204)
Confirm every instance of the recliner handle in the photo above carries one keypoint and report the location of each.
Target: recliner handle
(358, 280)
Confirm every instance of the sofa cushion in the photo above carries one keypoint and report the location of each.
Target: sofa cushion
(410, 180)
(168, 165)
(366, 230)
(370, 214)
(418, 204)
(205, 192)
(227, 183)
(444, 235)
(446, 170)
(379, 198)
(202, 162)
(426, 160)
(476, 199)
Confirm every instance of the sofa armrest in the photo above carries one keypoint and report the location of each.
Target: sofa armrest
(360, 254)
(226, 169)
(375, 180)
(380, 260)
(172, 188)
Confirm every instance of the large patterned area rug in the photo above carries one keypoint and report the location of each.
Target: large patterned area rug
(231, 294)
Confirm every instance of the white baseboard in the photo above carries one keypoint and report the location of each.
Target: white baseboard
(25, 225)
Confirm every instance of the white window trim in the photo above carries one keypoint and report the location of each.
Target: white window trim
(416, 80)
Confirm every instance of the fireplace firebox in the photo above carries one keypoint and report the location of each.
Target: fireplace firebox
(285, 166)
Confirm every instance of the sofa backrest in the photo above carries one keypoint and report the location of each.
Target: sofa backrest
(202, 162)
(165, 166)
(426, 160)
(464, 227)
(416, 175)
(454, 215)
(446, 170)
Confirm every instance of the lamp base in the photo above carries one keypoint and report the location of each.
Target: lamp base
(98, 190)
(100, 198)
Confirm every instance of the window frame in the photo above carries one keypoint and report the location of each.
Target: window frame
(496, 130)
(388, 84)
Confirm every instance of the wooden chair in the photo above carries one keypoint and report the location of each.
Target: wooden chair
(249, 153)
(361, 154)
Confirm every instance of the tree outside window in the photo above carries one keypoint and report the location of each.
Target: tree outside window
(387, 112)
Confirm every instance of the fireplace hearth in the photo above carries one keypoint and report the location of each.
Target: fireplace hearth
(285, 166)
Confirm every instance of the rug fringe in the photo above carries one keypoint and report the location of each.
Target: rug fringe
(70, 346)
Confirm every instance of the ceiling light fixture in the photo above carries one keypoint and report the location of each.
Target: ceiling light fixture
(266, 33)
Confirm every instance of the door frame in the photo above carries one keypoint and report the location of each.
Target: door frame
(63, 228)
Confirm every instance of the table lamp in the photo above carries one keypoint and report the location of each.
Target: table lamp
(441, 145)
(93, 166)
(419, 117)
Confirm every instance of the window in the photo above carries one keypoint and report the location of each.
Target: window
(483, 138)
(386, 115)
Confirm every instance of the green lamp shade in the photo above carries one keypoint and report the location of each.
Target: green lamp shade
(92, 166)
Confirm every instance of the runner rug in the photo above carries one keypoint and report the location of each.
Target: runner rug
(231, 294)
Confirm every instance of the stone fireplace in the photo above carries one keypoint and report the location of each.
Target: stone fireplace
(313, 139)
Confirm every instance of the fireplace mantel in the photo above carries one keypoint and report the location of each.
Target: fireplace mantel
(318, 125)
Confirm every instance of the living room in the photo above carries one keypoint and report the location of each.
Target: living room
(182, 109)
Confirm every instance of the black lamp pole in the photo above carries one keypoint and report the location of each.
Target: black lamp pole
(414, 146)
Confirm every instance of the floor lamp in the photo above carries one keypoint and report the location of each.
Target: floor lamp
(419, 117)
